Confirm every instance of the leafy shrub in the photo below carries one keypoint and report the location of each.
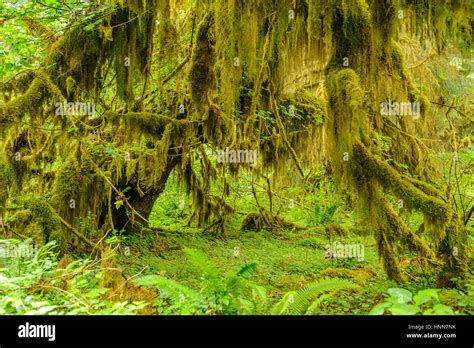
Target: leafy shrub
(402, 302)
(38, 286)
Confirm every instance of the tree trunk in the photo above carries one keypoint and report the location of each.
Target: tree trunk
(143, 205)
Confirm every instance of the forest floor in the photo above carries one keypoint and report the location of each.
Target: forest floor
(287, 260)
(176, 267)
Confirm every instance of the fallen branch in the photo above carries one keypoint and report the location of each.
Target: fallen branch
(77, 233)
(121, 195)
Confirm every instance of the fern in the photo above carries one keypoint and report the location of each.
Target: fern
(260, 300)
(189, 300)
(208, 270)
(316, 303)
(284, 305)
(216, 294)
(247, 269)
(307, 300)
(73, 290)
(242, 274)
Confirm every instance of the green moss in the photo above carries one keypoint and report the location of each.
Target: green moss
(43, 215)
(70, 84)
(137, 124)
(25, 103)
(37, 28)
(384, 17)
(455, 248)
(391, 264)
(17, 84)
(346, 119)
(38, 221)
(319, 23)
(440, 21)
(78, 190)
(15, 144)
(404, 189)
(355, 25)
(402, 234)
(201, 74)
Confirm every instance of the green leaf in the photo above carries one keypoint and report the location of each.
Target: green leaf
(91, 26)
(96, 292)
(148, 280)
(46, 309)
(424, 296)
(118, 203)
(403, 309)
(282, 307)
(441, 309)
(399, 295)
(380, 308)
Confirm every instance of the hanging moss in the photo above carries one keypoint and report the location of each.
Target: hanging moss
(346, 119)
(37, 28)
(355, 24)
(38, 221)
(389, 256)
(390, 178)
(201, 74)
(15, 149)
(454, 248)
(77, 189)
(384, 17)
(16, 85)
(138, 123)
(28, 102)
(402, 233)
(242, 106)
(43, 215)
(319, 23)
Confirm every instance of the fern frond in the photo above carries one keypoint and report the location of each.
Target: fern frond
(260, 299)
(306, 296)
(242, 274)
(316, 303)
(176, 292)
(246, 270)
(304, 300)
(203, 263)
(283, 306)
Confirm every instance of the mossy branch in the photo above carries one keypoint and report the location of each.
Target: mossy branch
(140, 122)
(399, 227)
(78, 234)
(40, 88)
(389, 178)
(287, 143)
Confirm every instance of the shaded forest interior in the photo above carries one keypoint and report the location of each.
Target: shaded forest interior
(237, 157)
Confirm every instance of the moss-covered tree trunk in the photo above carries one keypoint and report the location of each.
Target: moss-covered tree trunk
(142, 203)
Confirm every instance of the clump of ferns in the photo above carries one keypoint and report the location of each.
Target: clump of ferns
(214, 295)
(236, 293)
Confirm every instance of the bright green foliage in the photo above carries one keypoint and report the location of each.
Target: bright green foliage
(235, 293)
(426, 302)
(308, 300)
(216, 294)
(301, 83)
(38, 286)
